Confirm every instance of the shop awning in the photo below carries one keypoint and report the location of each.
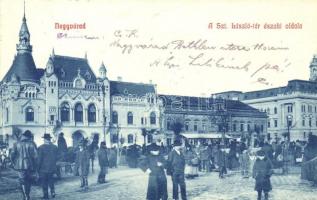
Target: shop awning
(204, 135)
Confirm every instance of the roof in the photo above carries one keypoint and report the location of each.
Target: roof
(203, 135)
(66, 68)
(292, 86)
(128, 88)
(23, 67)
(202, 103)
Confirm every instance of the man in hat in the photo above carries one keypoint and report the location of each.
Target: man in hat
(176, 160)
(103, 162)
(24, 157)
(153, 163)
(262, 171)
(48, 153)
(82, 158)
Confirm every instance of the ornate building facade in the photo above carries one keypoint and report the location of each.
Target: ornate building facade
(68, 97)
(291, 110)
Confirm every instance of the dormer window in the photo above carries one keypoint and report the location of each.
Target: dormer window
(62, 73)
(49, 66)
(87, 75)
(79, 83)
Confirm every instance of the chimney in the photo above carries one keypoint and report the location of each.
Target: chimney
(119, 78)
(151, 82)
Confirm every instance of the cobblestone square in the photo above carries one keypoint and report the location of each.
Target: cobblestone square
(125, 183)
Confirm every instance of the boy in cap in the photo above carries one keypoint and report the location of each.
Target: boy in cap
(103, 162)
(245, 163)
(262, 171)
(82, 158)
(47, 165)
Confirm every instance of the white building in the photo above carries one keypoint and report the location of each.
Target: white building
(68, 97)
(291, 109)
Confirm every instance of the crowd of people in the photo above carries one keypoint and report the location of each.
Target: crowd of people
(39, 164)
(180, 161)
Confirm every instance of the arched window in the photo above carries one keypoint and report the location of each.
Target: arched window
(91, 113)
(130, 118)
(149, 138)
(114, 117)
(65, 112)
(169, 124)
(153, 118)
(114, 138)
(7, 114)
(187, 125)
(29, 114)
(275, 110)
(130, 138)
(242, 126)
(78, 112)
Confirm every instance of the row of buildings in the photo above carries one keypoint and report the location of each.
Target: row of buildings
(67, 96)
(291, 110)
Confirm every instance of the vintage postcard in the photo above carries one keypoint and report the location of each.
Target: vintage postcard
(104, 99)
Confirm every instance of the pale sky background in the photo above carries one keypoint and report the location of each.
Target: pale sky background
(161, 22)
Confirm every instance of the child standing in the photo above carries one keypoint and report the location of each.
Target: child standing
(262, 171)
(222, 162)
(82, 158)
(245, 163)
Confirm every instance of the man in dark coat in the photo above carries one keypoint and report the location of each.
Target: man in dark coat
(24, 157)
(48, 153)
(153, 163)
(61, 143)
(177, 162)
(113, 157)
(133, 155)
(103, 162)
(82, 158)
(262, 171)
(222, 162)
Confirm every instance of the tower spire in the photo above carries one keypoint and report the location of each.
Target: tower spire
(24, 9)
(24, 45)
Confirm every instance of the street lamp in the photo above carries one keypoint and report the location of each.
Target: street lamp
(144, 133)
(104, 127)
(222, 111)
(310, 118)
(289, 123)
(219, 115)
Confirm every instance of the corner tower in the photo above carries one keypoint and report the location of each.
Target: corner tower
(313, 69)
(23, 67)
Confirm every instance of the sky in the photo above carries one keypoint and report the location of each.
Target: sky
(185, 47)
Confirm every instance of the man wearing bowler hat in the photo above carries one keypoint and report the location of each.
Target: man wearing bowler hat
(176, 160)
(47, 165)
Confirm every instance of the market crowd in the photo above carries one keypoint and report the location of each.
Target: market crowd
(183, 160)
